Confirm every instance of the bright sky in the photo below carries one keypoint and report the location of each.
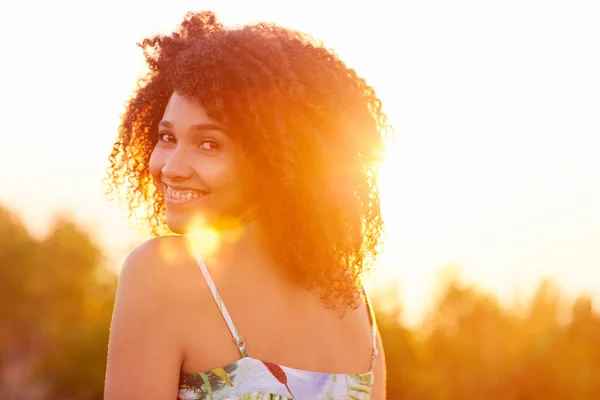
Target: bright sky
(496, 105)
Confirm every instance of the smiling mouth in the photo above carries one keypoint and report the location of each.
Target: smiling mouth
(182, 196)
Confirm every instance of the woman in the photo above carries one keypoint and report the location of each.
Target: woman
(259, 149)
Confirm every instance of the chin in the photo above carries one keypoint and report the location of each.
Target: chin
(184, 223)
(179, 223)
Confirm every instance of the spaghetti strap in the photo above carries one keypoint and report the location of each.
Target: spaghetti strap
(237, 338)
(373, 327)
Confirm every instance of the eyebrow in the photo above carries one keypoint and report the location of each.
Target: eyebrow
(205, 126)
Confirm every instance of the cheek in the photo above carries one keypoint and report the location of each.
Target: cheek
(216, 174)
(232, 179)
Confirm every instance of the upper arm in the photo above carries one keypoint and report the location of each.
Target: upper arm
(378, 392)
(144, 356)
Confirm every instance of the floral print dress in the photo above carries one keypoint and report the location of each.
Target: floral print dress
(250, 378)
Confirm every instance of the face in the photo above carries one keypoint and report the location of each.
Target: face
(202, 174)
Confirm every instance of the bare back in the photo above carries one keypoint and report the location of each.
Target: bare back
(280, 324)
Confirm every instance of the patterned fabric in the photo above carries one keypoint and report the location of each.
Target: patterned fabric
(250, 378)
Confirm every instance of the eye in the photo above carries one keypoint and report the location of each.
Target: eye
(166, 137)
(209, 145)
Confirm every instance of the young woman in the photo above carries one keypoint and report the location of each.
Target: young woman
(258, 150)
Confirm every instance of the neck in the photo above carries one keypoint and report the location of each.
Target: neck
(226, 241)
(246, 256)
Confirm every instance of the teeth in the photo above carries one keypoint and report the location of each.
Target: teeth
(182, 194)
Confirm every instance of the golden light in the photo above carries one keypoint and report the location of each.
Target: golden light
(201, 237)
(479, 170)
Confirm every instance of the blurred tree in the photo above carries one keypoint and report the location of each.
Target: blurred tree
(403, 349)
(74, 313)
(16, 267)
(55, 309)
(468, 343)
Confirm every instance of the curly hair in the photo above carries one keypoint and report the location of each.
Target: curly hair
(314, 129)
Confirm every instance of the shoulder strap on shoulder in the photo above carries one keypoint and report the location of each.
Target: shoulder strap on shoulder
(373, 325)
(237, 338)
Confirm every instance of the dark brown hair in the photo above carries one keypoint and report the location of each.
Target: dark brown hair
(314, 129)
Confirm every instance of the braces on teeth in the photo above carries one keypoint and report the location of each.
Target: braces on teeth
(182, 194)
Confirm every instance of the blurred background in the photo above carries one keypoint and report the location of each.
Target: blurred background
(489, 285)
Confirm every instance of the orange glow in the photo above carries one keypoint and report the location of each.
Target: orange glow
(202, 238)
(494, 165)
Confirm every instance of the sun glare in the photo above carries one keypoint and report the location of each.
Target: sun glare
(201, 237)
(491, 166)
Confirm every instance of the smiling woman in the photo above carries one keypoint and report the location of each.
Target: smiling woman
(202, 174)
(262, 138)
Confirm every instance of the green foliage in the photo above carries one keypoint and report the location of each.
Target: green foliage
(55, 312)
(469, 347)
(56, 301)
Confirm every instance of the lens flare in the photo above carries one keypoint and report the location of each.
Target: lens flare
(202, 237)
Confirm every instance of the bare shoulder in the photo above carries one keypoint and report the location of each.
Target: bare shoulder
(161, 273)
(144, 353)
(155, 255)
(156, 276)
(144, 272)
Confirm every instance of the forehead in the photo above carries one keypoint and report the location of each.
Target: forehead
(183, 111)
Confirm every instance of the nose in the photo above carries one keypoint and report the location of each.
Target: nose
(177, 166)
